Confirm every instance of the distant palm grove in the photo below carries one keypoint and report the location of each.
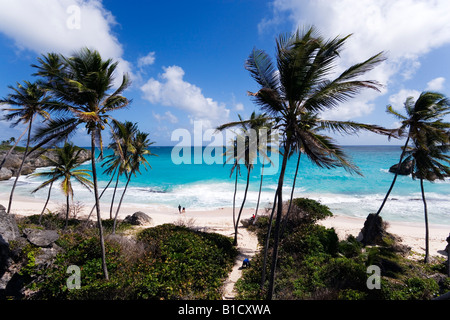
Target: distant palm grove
(79, 93)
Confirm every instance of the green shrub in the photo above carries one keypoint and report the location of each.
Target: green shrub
(165, 262)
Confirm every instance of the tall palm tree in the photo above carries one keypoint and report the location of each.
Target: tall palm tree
(425, 113)
(136, 157)
(236, 168)
(121, 146)
(301, 86)
(430, 162)
(247, 145)
(65, 166)
(83, 83)
(26, 102)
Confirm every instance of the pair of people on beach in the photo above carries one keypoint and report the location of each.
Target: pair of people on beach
(179, 209)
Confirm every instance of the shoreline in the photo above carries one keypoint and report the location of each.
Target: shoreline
(221, 221)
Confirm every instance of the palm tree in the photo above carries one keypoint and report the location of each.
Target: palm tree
(430, 162)
(121, 146)
(83, 83)
(136, 156)
(298, 90)
(65, 166)
(425, 113)
(235, 168)
(246, 147)
(27, 101)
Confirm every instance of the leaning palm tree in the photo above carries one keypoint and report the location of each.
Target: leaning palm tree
(252, 140)
(430, 162)
(121, 147)
(84, 84)
(301, 85)
(26, 102)
(236, 168)
(136, 157)
(425, 113)
(65, 167)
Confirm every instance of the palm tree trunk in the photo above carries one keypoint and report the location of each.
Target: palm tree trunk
(293, 184)
(427, 236)
(12, 148)
(21, 166)
(242, 207)
(46, 202)
(285, 220)
(113, 196)
(67, 211)
(120, 203)
(395, 176)
(234, 196)
(266, 247)
(259, 193)
(97, 206)
(101, 194)
(277, 222)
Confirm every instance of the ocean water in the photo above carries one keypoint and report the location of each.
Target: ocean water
(202, 186)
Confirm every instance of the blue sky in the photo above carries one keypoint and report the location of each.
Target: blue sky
(186, 58)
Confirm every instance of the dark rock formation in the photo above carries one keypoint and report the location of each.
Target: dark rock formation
(374, 234)
(406, 168)
(138, 218)
(33, 161)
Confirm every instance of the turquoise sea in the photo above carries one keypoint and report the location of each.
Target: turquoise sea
(203, 186)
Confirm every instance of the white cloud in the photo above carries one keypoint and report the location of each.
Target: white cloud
(398, 100)
(239, 106)
(62, 26)
(404, 29)
(147, 60)
(167, 116)
(172, 91)
(436, 84)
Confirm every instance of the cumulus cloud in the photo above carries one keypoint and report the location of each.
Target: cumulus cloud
(404, 29)
(397, 100)
(172, 90)
(168, 116)
(62, 26)
(147, 60)
(436, 84)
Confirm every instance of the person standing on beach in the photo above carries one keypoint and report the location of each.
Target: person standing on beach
(179, 208)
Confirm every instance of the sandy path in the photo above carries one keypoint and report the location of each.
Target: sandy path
(247, 247)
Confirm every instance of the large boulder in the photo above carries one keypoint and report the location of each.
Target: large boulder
(374, 234)
(138, 218)
(406, 168)
(8, 226)
(41, 238)
(8, 232)
(5, 174)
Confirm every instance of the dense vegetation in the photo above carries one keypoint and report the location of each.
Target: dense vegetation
(314, 264)
(164, 262)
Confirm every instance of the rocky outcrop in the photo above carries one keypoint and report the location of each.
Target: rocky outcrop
(33, 161)
(139, 219)
(374, 234)
(406, 168)
(12, 243)
(41, 238)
